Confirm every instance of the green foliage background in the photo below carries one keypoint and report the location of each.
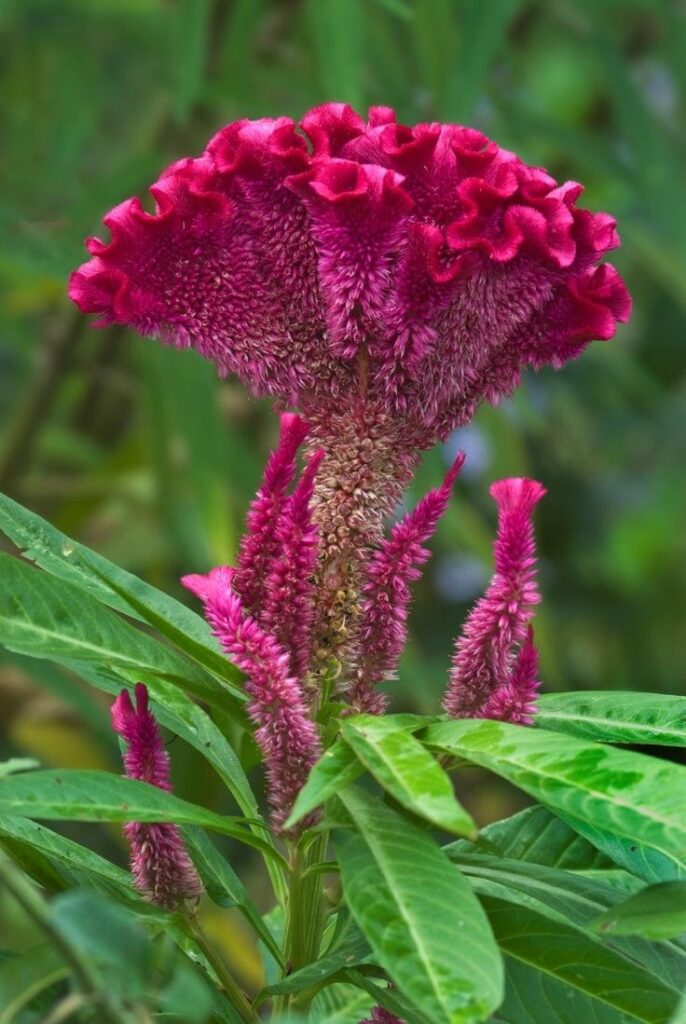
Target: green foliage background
(140, 452)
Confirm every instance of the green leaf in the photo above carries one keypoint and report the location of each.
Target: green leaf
(679, 1016)
(74, 563)
(657, 912)
(637, 798)
(636, 857)
(341, 1004)
(335, 769)
(17, 764)
(586, 973)
(407, 771)
(223, 885)
(538, 836)
(351, 951)
(616, 716)
(48, 618)
(416, 910)
(24, 977)
(572, 899)
(101, 796)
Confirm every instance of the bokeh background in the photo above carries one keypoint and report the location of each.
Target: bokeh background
(141, 453)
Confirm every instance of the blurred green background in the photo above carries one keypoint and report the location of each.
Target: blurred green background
(142, 454)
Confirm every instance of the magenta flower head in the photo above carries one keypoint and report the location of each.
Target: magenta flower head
(419, 268)
(495, 669)
(161, 868)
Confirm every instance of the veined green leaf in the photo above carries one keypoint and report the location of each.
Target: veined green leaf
(335, 769)
(538, 836)
(101, 796)
(48, 618)
(585, 973)
(616, 717)
(25, 976)
(637, 857)
(657, 912)
(17, 764)
(422, 921)
(350, 951)
(679, 1016)
(637, 798)
(66, 559)
(407, 771)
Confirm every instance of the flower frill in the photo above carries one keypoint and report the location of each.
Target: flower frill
(425, 265)
(160, 866)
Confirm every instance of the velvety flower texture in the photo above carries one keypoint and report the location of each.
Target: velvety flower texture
(495, 669)
(420, 267)
(161, 868)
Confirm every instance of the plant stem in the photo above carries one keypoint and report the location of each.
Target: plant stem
(234, 994)
(85, 974)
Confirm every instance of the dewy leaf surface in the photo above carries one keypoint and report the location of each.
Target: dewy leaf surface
(48, 618)
(62, 557)
(101, 796)
(425, 926)
(407, 771)
(616, 717)
(635, 797)
(581, 967)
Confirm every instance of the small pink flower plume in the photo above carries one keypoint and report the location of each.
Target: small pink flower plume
(497, 624)
(383, 630)
(286, 251)
(261, 540)
(285, 734)
(288, 609)
(515, 700)
(161, 868)
(381, 1016)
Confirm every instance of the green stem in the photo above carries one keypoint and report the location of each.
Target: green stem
(234, 994)
(85, 974)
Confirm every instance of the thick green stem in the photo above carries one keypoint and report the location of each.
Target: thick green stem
(234, 994)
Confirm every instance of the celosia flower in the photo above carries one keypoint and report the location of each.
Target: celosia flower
(161, 868)
(497, 625)
(381, 1016)
(285, 734)
(515, 700)
(419, 267)
(383, 627)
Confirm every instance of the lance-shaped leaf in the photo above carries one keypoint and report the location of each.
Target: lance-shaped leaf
(616, 717)
(101, 796)
(637, 798)
(66, 559)
(657, 912)
(335, 769)
(48, 618)
(407, 771)
(418, 912)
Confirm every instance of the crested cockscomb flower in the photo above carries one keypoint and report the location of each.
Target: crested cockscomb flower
(383, 626)
(421, 268)
(285, 734)
(260, 541)
(161, 868)
(496, 627)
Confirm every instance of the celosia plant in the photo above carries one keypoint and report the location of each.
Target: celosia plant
(379, 282)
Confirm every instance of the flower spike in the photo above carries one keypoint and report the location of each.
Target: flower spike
(161, 868)
(260, 542)
(497, 624)
(515, 700)
(288, 610)
(287, 737)
(395, 564)
(381, 1016)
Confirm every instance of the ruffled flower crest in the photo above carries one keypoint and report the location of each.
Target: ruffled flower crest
(441, 258)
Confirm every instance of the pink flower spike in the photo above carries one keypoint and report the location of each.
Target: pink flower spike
(381, 1016)
(497, 624)
(515, 700)
(286, 736)
(261, 543)
(383, 629)
(161, 868)
(288, 610)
